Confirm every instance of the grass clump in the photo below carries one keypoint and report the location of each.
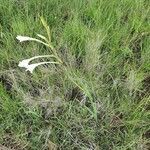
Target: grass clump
(100, 100)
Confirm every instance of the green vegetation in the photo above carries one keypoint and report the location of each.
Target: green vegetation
(100, 101)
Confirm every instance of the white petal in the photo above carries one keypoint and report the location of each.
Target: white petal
(33, 66)
(24, 63)
(23, 38)
(26, 38)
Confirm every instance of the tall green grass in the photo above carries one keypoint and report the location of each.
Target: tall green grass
(102, 101)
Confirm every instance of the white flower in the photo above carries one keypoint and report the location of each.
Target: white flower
(33, 66)
(26, 38)
(23, 38)
(25, 62)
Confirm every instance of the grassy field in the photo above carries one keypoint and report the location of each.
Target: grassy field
(101, 100)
